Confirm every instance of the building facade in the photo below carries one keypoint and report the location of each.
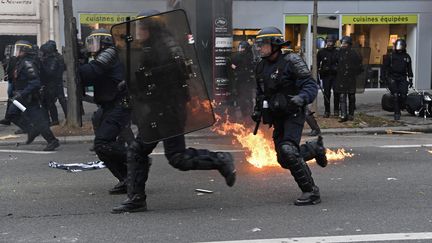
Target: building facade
(372, 24)
(32, 20)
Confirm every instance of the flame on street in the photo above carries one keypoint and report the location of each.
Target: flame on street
(259, 148)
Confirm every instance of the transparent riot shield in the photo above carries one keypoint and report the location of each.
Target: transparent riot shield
(351, 72)
(363, 76)
(168, 93)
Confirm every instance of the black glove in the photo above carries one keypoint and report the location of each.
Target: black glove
(256, 116)
(410, 82)
(298, 100)
(16, 96)
(122, 86)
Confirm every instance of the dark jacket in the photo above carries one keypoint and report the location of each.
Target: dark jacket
(283, 78)
(327, 60)
(105, 73)
(397, 66)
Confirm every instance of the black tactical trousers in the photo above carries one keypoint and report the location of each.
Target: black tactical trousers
(328, 83)
(114, 119)
(48, 103)
(344, 105)
(178, 155)
(34, 120)
(399, 90)
(286, 136)
(244, 99)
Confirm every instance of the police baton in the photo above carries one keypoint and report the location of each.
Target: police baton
(257, 124)
(18, 105)
(322, 90)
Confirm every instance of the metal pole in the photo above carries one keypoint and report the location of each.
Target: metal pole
(74, 107)
(314, 106)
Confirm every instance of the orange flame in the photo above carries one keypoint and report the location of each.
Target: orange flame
(259, 148)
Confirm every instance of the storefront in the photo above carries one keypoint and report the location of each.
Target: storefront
(378, 32)
(91, 21)
(372, 24)
(19, 20)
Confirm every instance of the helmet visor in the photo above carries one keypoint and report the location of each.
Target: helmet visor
(142, 30)
(18, 48)
(262, 42)
(92, 42)
(399, 46)
(146, 24)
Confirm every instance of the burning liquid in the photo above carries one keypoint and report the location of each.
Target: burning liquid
(260, 150)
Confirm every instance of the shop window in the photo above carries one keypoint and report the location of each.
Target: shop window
(379, 38)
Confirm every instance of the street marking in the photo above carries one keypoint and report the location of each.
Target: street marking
(342, 238)
(222, 150)
(25, 151)
(406, 146)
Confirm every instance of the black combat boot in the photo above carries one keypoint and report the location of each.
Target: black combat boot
(309, 198)
(320, 150)
(5, 122)
(31, 135)
(132, 205)
(227, 168)
(326, 114)
(314, 150)
(343, 119)
(397, 116)
(314, 133)
(119, 188)
(51, 146)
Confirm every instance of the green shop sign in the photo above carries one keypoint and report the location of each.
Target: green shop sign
(101, 18)
(379, 19)
(296, 19)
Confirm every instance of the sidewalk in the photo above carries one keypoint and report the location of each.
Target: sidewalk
(368, 103)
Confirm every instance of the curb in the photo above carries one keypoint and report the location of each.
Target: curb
(329, 131)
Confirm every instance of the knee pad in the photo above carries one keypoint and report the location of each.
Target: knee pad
(289, 154)
(135, 154)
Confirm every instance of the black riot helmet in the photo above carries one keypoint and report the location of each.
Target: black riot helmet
(98, 40)
(147, 12)
(23, 47)
(272, 36)
(400, 45)
(330, 41)
(243, 46)
(346, 41)
(147, 24)
(48, 48)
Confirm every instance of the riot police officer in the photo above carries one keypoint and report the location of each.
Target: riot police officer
(243, 83)
(165, 89)
(284, 88)
(348, 68)
(397, 72)
(8, 66)
(26, 83)
(327, 66)
(106, 74)
(52, 68)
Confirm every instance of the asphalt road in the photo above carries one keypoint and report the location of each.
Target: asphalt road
(381, 190)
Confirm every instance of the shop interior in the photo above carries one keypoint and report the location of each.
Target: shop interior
(379, 38)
